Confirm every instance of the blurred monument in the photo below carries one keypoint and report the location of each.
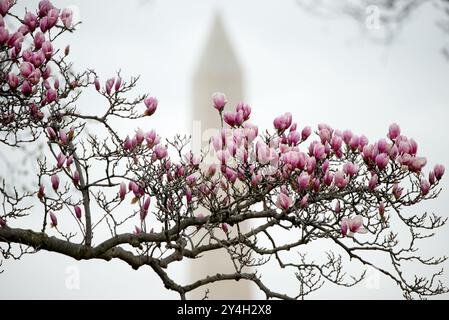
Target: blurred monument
(218, 70)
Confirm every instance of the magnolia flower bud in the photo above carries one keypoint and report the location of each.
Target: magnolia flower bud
(373, 182)
(118, 83)
(51, 133)
(122, 191)
(60, 160)
(13, 81)
(62, 137)
(397, 191)
(146, 204)
(381, 209)
(425, 187)
(76, 178)
(224, 227)
(305, 133)
(2, 223)
(78, 212)
(109, 84)
(97, 84)
(337, 207)
(432, 178)
(54, 220)
(438, 171)
(54, 182)
(304, 201)
(143, 214)
(41, 192)
(344, 226)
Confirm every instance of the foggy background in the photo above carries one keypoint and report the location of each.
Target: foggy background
(321, 70)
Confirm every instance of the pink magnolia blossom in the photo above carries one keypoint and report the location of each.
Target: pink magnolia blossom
(305, 133)
(340, 180)
(52, 18)
(66, 17)
(26, 88)
(26, 68)
(283, 122)
(283, 202)
(382, 160)
(350, 226)
(328, 178)
(417, 163)
(151, 105)
(5, 5)
(160, 152)
(303, 181)
(13, 81)
(76, 178)
(38, 59)
(245, 109)
(347, 136)
(47, 49)
(394, 131)
(219, 99)
(350, 169)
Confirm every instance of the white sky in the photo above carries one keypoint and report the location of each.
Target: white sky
(320, 70)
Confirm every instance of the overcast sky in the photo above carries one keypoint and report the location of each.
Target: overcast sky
(320, 70)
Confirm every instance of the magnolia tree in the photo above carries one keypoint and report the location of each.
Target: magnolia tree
(289, 182)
